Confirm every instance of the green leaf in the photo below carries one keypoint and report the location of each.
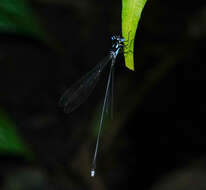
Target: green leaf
(10, 140)
(17, 17)
(131, 12)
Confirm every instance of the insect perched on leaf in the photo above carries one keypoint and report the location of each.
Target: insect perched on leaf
(79, 91)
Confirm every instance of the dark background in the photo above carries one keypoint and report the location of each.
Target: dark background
(157, 137)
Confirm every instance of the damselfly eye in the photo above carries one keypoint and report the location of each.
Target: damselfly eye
(122, 39)
(112, 37)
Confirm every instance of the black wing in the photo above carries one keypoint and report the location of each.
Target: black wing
(79, 91)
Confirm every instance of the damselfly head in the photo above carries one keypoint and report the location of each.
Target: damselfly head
(117, 38)
(117, 41)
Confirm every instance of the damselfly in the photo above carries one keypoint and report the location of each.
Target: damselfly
(79, 91)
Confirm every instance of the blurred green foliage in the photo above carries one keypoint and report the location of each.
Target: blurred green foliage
(16, 17)
(10, 140)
